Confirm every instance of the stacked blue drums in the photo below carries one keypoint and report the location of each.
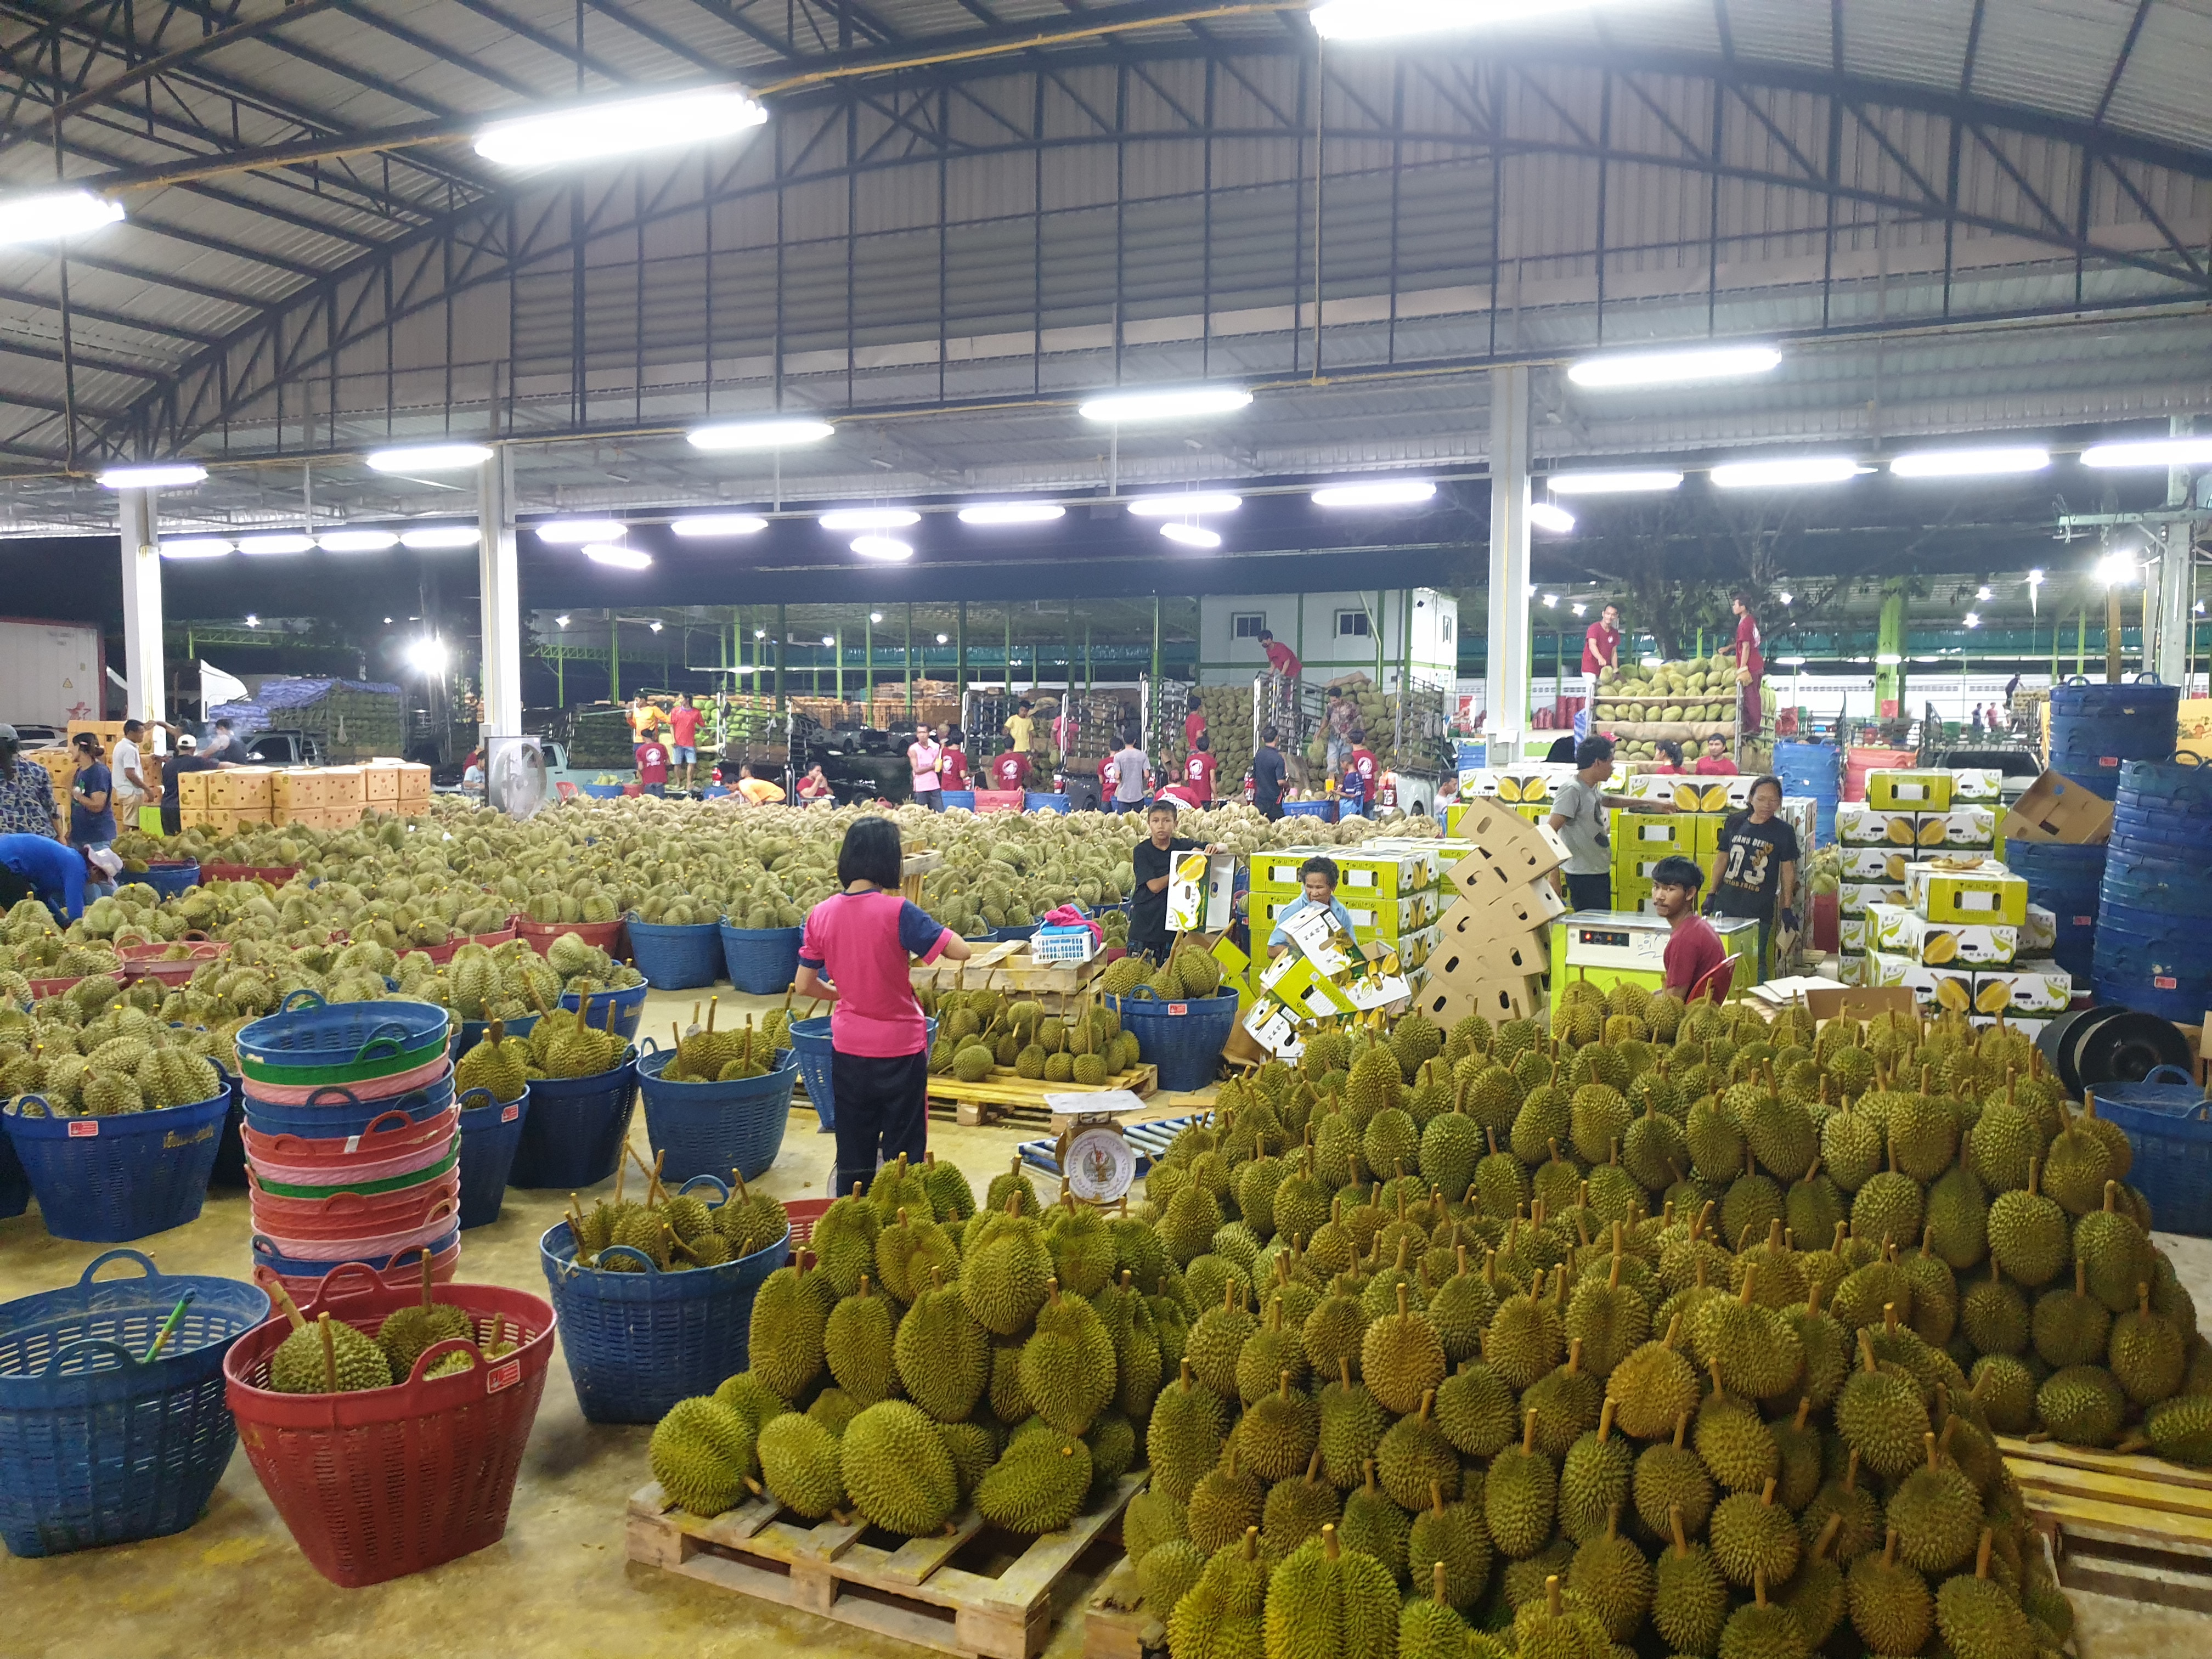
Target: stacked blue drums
(2067, 881)
(2095, 730)
(2154, 948)
(1815, 769)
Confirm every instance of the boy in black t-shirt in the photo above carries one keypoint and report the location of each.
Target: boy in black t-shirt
(1153, 859)
(1755, 870)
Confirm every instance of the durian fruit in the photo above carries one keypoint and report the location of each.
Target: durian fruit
(1412, 1455)
(2027, 1232)
(1881, 1417)
(897, 1470)
(1431, 1627)
(1402, 1358)
(1297, 1509)
(1670, 1478)
(409, 1332)
(2145, 1355)
(1220, 1617)
(943, 1357)
(1038, 1484)
(1224, 1504)
(1763, 1630)
(1005, 1266)
(1067, 1367)
(1689, 1597)
(1754, 1538)
(790, 1319)
(800, 1464)
(328, 1357)
(702, 1454)
(1889, 1603)
(1978, 1616)
(844, 1241)
(856, 1342)
(1327, 1602)
(1519, 1496)
(1183, 1439)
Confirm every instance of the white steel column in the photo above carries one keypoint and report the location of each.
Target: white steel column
(499, 594)
(2176, 575)
(145, 694)
(1506, 687)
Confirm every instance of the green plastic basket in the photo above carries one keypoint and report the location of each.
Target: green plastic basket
(383, 1063)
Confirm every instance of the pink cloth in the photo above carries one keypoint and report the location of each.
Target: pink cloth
(1069, 915)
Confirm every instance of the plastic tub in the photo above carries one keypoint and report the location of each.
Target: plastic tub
(953, 798)
(1183, 1039)
(170, 877)
(441, 1217)
(304, 1279)
(490, 1130)
(108, 1180)
(334, 1114)
(443, 953)
(540, 935)
(761, 961)
(637, 1343)
(810, 1044)
(1033, 801)
(2094, 728)
(627, 1005)
(604, 790)
(2168, 1122)
(710, 1128)
(383, 1482)
(573, 1132)
(428, 1075)
(314, 1228)
(676, 958)
(467, 1033)
(98, 1445)
(314, 1040)
(392, 1142)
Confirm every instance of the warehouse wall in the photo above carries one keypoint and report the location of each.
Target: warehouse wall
(1321, 628)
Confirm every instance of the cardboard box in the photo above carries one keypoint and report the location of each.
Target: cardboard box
(1532, 782)
(1893, 927)
(2039, 933)
(1851, 935)
(1691, 793)
(1530, 907)
(1446, 1002)
(2057, 809)
(1389, 872)
(1299, 984)
(1274, 1028)
(193, 791)
(1975, 786)
(1861, 824)
(344, 786)
(1926, 983)
(1518, 849)
(1852, 897)
(1863, 1003)
(1371, 920)
(1201, 892)
(415, 783)
(1909, 791)
(380, 783)
(240, 788)
(2045, 988)
(1414, 949)
(1883, 863)
(1647, 837)
(2029, 1026)
(1317, 935)
(1632, 893)
(1476, 961)
(1988, 893)
(1963, 829)
(293, 790)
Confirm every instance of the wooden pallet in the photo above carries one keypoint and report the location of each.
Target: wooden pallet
(973, 1591)
(1116, 1623)
(2133, 1526)
(1003, 1096)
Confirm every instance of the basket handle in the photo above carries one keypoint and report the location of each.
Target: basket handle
(2188, 758)
(293, 1000)
(721, 1189)
(349, 1270)
(652, 1046)
(384, 1042)
(49, 1105)
(2168, 1075)
(651, 1266)
(372, 1131)
(88, 1345)
(338, 1088)
(123, 1254)
(449, 1344)
(489, 1098)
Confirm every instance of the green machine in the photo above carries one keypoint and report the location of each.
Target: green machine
(1613, 947)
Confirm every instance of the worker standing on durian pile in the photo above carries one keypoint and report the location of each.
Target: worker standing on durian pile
(1153, 860)
(853, 954)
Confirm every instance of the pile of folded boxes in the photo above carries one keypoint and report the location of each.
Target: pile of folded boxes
(1926, 904)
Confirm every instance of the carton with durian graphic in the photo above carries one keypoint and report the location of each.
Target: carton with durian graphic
(1909, 791)
(2027, 987)
(1894, 928)
(1966, 889)
(1852, 897)
(1934, 987)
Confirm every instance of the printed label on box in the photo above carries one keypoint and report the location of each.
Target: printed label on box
(1274, 1029)
(1896, 928)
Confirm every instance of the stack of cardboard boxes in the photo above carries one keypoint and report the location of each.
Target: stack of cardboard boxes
(1493, 938)
(313, 797)
(1908, 819)
(1389, 887)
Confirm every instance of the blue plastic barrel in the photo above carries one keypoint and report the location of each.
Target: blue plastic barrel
(1813, 771)
(2065, 880)
(2096, 729)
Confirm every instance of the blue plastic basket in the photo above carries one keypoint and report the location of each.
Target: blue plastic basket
(170, 879)
(2168, 1122)
(602, 791)
(467, 1033)
(2096, 729)
(1183, 1039)
(97, 1445)
(761, 961)
(333, 1112)
(308, 1033)
(108, 1180)
(958, 798)
(1325, 810)
(637, 1343)
(710, 1128)
(810, 1042)
(676, 958)
(490, 1130)
(1004, 935)
(574, 1133)
(628, 1006)
(1036, 801)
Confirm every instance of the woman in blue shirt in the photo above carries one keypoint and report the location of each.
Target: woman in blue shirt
(92, 796)
(1318, 875)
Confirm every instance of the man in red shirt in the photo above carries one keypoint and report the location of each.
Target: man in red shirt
(1694, 949)
(1360, 763)
(1193, 725)
(652, 766)
(1745, 650)
(683, 740)
(1601, 643)
(1281, 660)
(1010, 770)
(952, 766)
(1198, 771)
(1715, 762)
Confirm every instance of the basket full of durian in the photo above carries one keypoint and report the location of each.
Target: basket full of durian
(718, 1100)
(656, 1298)
(123, 1138)
(387, 1423)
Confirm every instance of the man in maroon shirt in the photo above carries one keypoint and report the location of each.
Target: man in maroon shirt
(1281, 658)
(1602, 642)
(1010, 770)
(1745, 650)
(1694, 949)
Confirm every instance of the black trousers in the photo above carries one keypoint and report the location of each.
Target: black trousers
(171, 814)
(1153, 937)
(1590, 892)
(882, 1110)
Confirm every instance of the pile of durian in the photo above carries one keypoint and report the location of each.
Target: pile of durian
(981, 1032)
(562, 1044)
(704, 1055)
(676, 1232)
(332, 1356)
(98, 1050)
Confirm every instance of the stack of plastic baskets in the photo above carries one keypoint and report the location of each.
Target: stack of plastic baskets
(1814, 770)
(353, 1141)
(383, 1482)
(2095, 730)
(104, 1439)
(637, 1342)
(2154, 948)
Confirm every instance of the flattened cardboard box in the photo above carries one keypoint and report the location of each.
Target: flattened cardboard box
(1472, 961)
(1505, 909)
(1495, 999)
(1520, 849)
(2056, 808)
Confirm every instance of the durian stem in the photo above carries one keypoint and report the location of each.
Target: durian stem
(330, 1354)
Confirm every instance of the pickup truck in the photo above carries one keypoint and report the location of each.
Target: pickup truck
(284, 748)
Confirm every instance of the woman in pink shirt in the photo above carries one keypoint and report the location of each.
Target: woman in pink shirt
(860, 939)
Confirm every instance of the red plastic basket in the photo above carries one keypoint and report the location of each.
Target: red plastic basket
(50, 988)
(381, 1483)
(274, 874)
(803, 1213)
(607, 935)
(202, 948)
(442, 953)
(387, 1136)
(402, 1271)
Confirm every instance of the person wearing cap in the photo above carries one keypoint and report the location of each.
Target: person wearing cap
(40, 868)
(27, 794)
(186, 759)
(92, 795)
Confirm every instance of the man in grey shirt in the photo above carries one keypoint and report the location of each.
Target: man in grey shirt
(1578, 814)
(1129, 766)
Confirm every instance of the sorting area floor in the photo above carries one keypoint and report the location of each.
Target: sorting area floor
(234, 1585)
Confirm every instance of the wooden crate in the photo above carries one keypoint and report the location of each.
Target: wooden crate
(934, 1592)
(2133, 1526)
(1117, 1624)
(1003, 1095)
(1005, 965)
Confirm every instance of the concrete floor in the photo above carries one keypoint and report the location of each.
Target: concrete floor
(235, 1585)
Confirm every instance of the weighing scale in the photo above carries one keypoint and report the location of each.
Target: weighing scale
(1615, 947)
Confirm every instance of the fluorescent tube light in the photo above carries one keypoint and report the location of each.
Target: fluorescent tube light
(1625, 481)
(575, 533)
(2150, 451)
(620, 557)
(1165, 403)
(1782, 474)
(278, 541)
(356, 541)
(1684, 367)
(1388, 20)
(1383, 492)
(622, 126)
(195, 547)
(733, 435)
(53, 214)
(888, 549)
(1971, 462)
(429, 458)
(439, 537)
(1191, 535)
(156, 475)
(1544, 516)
